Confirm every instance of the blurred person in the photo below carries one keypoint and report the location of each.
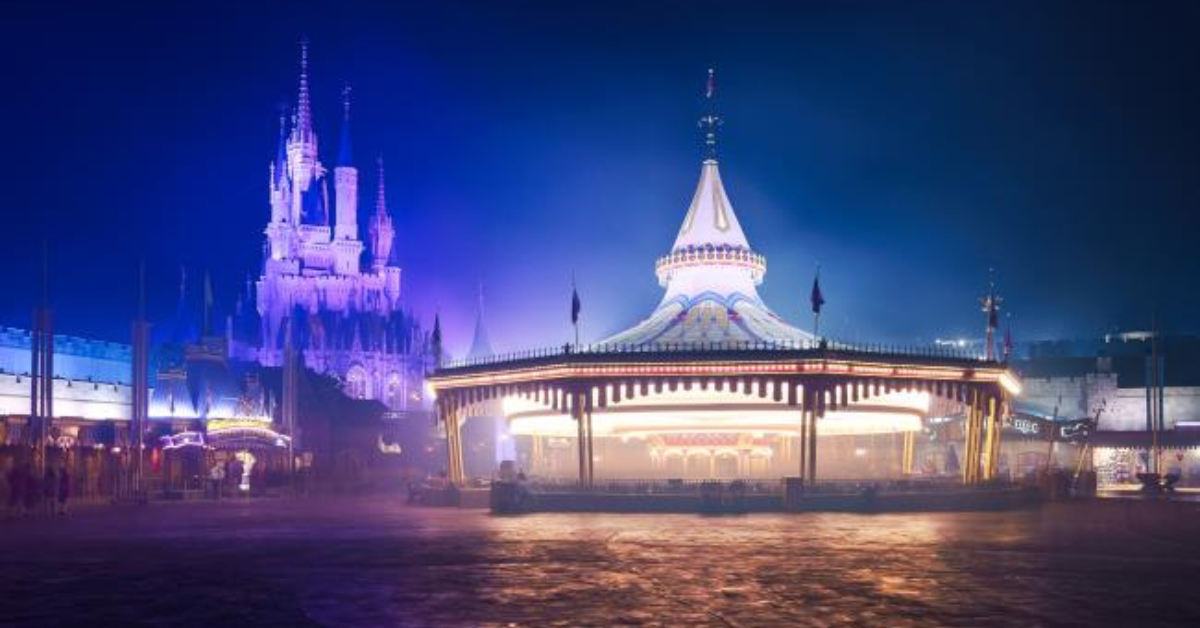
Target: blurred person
(64, 489)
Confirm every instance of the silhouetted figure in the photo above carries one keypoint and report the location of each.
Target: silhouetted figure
(49, 490)
(64, 489)
(16, 488)
(32, 490)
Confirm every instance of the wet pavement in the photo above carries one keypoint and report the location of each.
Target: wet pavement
(375, 562)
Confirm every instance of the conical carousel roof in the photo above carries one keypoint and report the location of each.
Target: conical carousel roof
(710, 278)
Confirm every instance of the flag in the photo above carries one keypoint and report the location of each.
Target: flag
(817, 298)
(575, 305)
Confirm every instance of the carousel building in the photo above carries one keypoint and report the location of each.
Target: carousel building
(714, 384)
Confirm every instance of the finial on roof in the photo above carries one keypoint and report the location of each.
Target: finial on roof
(303, 104)
(380, 198)
(280, 163)
(710, 121)
(345, 154)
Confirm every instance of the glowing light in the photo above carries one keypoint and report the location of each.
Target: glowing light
(717, 412)
(1010, 383)
(182, 439)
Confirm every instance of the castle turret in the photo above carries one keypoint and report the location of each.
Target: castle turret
(302, 143)
(346, 180)
(381, 229)
(346, 245)
(278, 233)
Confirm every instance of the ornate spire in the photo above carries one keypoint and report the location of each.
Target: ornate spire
(481, 346)
(380, 197)
(380, 228)
(280, 164)
(345, 155)
(303, 128)
(710, 121)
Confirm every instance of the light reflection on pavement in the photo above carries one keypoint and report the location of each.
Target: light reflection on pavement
(373, 562)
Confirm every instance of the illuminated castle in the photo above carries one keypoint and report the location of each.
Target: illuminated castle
(343, 311)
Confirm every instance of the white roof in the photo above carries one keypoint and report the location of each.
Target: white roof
(711, 304)
(710, 219)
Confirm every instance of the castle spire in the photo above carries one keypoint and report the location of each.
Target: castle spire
(380, 196)
(345, 155)
(280, 165)
(303, 129)
(381, 229)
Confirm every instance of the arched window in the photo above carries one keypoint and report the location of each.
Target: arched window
(356, 382)
(395, 390)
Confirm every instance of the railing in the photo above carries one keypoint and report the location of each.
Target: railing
(701, 348)
(751, 486)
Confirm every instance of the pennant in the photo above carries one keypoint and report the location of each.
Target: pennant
(816, 297)
(575, 305)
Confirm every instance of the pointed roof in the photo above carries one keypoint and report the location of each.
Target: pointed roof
(345, 154)
(280, 164)
(481, 347)
(710, 219)
(303, 130)
(381, 211)
(711, 274)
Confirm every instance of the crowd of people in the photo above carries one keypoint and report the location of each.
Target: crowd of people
(30, 495)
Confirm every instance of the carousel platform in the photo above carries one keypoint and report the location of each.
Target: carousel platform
(749, 497)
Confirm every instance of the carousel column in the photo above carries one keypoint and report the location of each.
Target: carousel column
(591, 452)
(453, 446)
(802, 454)
(818, 411)
(581, 435)
(992, 462)
(968, 438)
(535, 455)
(974, 440)
(910, 443)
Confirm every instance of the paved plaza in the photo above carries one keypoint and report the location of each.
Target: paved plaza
(376, 562)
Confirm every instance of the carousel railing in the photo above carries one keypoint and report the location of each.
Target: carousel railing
(700, 349)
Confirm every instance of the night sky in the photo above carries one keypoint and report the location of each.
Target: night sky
(906, 147)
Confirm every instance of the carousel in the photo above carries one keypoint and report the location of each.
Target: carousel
(714, 384)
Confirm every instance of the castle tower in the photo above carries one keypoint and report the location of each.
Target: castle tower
(347, 247)
(381, 229)
(302, 143)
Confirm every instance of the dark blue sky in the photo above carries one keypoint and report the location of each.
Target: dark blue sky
(906, 147)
